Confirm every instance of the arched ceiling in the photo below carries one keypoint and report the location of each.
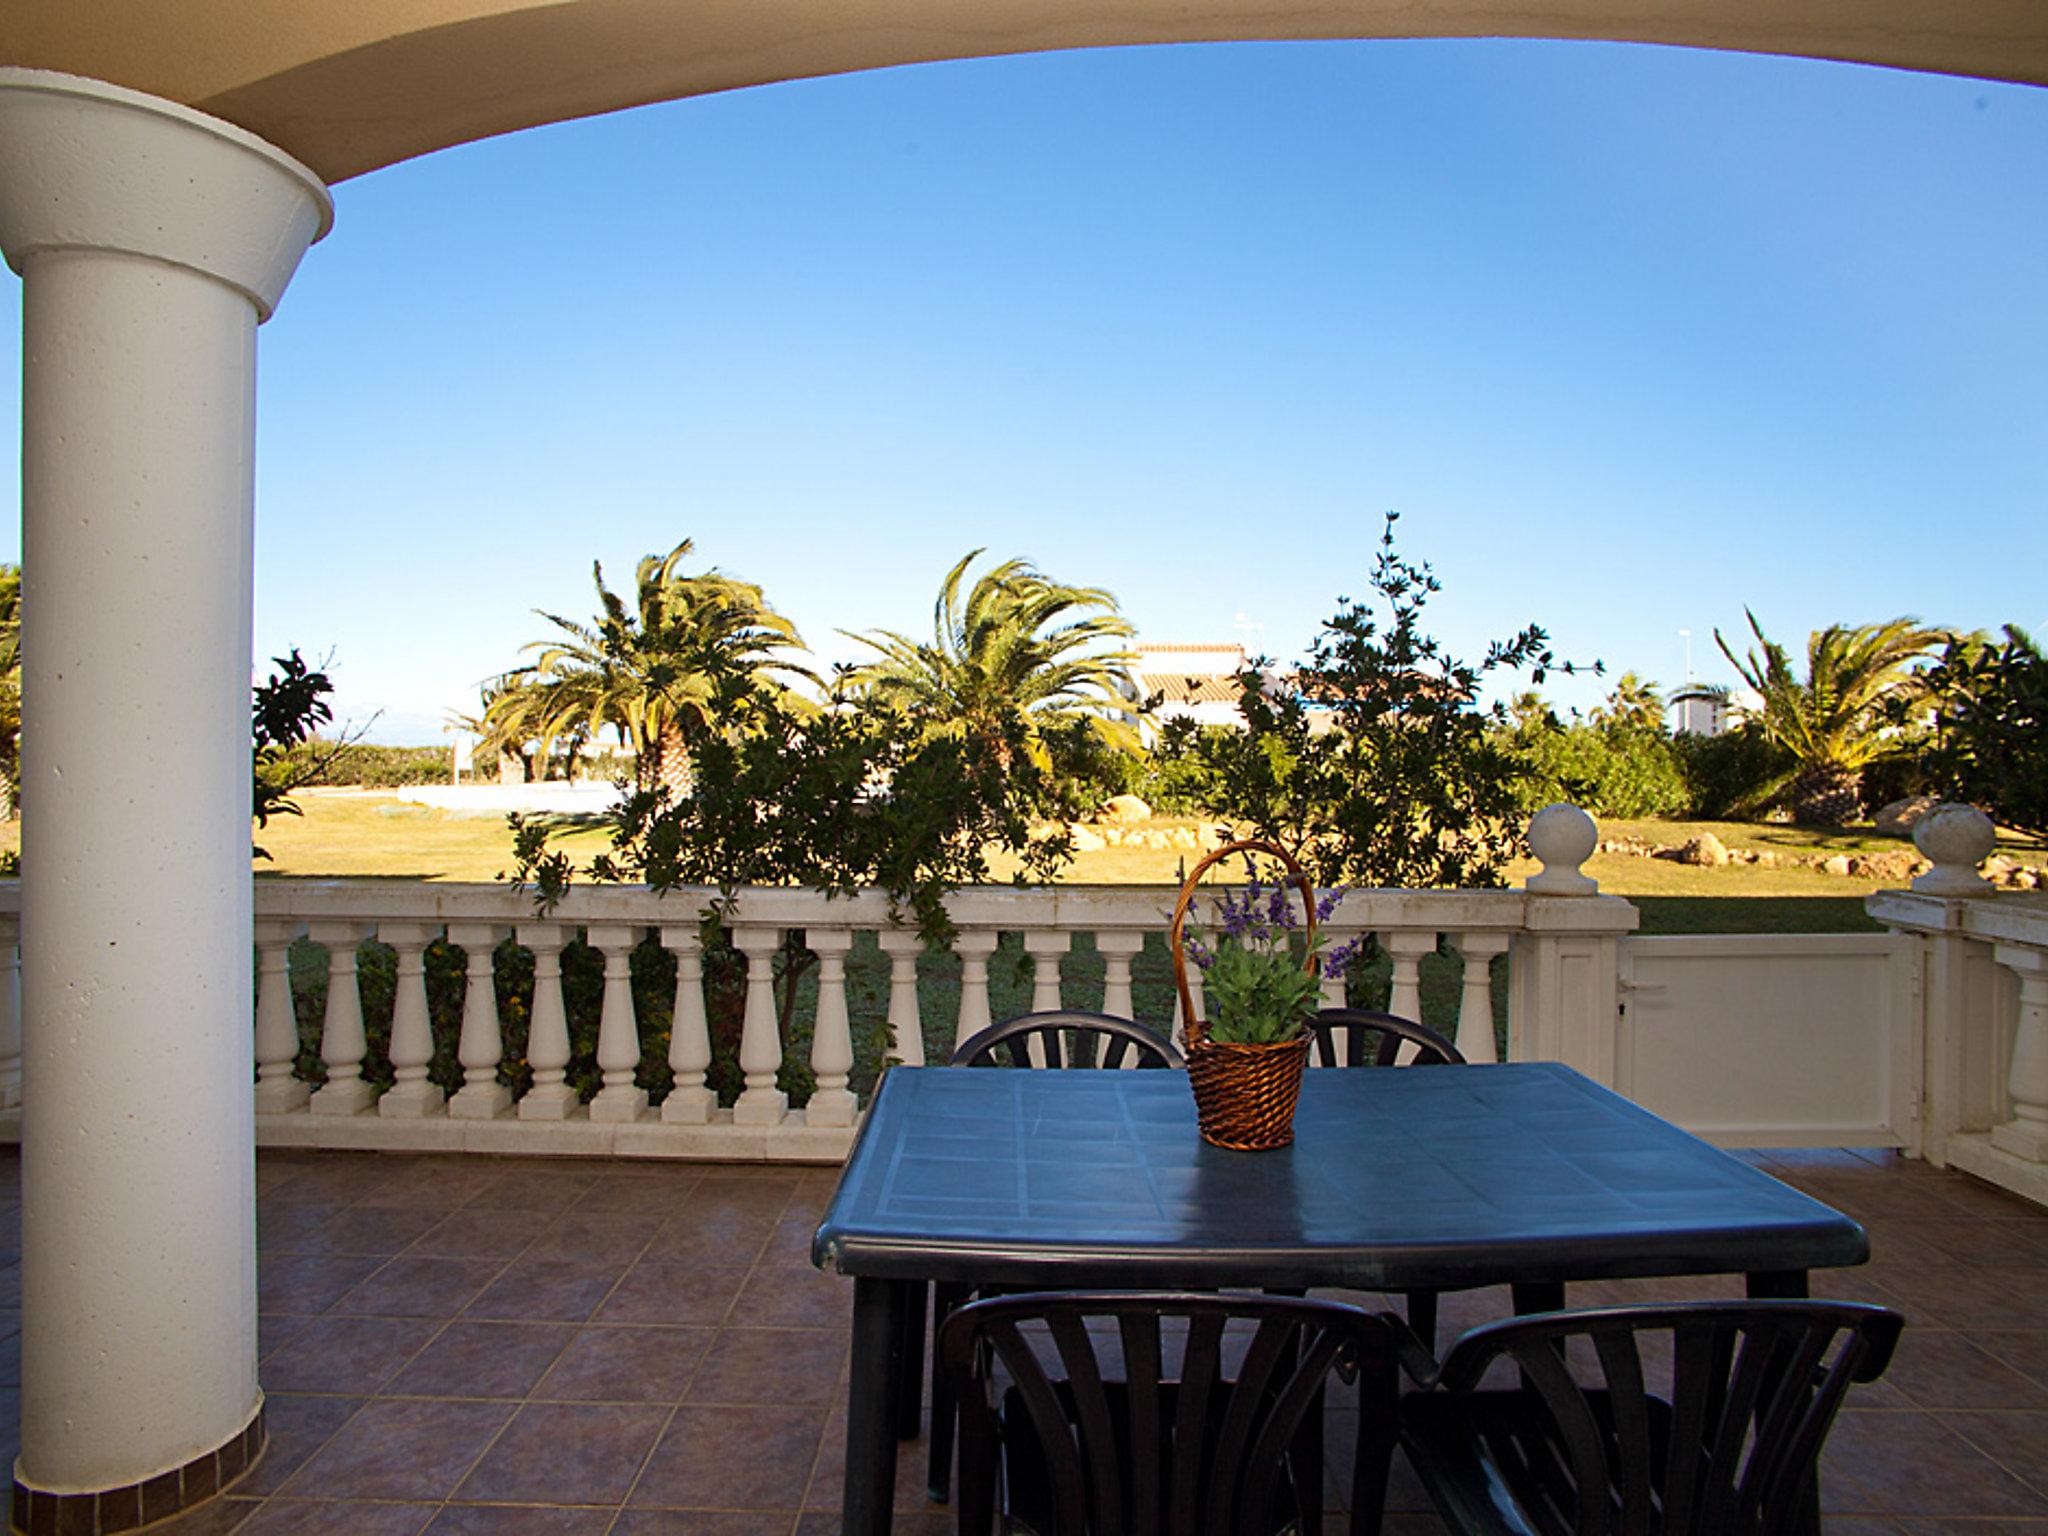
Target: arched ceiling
(350, 85)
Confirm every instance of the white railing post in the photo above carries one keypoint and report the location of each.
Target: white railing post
(2025, 1135)
(690, 1101)
(482, 1044)
(1475, 1039)
(410, 1096)
(10, 1012)
(1118, 947)
(973, 948)
(277, 1023)
(760, 1102)
(341, 1030)
(906, 1022)
(1407, 949)
(1045, 947)
(832, 1102)
(547, 1028)
(620, 1100)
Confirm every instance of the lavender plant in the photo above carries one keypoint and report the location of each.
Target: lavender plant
(1262, 970)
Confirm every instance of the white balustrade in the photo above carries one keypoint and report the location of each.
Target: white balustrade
(1548, 937)
(342, 1044)
(410, 1096)
(482, 1096)
(2025, 1135)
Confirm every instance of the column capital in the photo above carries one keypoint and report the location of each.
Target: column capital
(88, 166)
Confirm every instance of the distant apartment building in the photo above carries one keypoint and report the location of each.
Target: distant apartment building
(1189, 682)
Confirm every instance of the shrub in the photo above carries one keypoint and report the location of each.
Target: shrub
(1725, 773)
(1609, 770)
(373, 767)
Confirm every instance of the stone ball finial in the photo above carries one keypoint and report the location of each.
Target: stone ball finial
(1955, 839)
(1562, 837)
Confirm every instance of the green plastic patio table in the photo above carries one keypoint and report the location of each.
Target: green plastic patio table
(1438, 1178)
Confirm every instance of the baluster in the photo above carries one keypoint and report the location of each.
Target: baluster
(1475, 1040)
(1045, 946)
(906, 1023)
(1407, 949)
(277, 1024)
(1332, 995)
(620, 1101)
(1119, 947)
(482, 1046)
(690, 1101)
(2025, 1135)
(341, 1030)
(974, 948)
(760, 1102)
(832, 1102)
(547, 1027)
(1180, 1025)
(411, 1096)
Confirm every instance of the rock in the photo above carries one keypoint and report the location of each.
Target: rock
(1896, 819)
(1765, 858)
(2026, 879)
(1088, 840)
(1881, 866)
(1837, 865)
(1705, 852)
(1126, 808)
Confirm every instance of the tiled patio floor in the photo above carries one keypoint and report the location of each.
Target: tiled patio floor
(470, 1347)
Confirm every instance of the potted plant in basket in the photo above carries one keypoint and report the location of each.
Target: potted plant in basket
(1262, 975)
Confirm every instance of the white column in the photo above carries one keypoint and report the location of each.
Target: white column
(832, 1102)
(620, 1100)
(906, 1023)
(1407, 950)
(10, 1012)
(690, 1101)
(2025, 1135)
(1118, 949)
(341, 1028)
(482, 1046)
(973, 950)
(1475, 1040)
(760, 1101)
(547, 1027)
(411, 1096)
(151, 240)
(277, 1024)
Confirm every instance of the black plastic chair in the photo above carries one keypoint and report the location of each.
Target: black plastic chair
(1048, 1039)
(1184, 1428)
(1584, 1448)
(1357, 1037)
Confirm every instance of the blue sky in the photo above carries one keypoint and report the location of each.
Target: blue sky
(1631, 337)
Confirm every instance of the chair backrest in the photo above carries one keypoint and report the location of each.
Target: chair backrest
(1730, 1445)
(1055, 1038)
(1160, 1414)
(1356, 1037)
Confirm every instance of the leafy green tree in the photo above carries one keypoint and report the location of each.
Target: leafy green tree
(1990, 739)
(1018, 647)
(1412, 783)
(284, 713)
(649, 671)
(1842, 716)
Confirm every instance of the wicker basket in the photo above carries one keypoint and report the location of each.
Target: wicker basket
(1244, 1094)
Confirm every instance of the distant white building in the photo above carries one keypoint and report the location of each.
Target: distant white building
(1190, 682)
(1700, 710)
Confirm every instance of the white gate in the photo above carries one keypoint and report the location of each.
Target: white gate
(1774, 1040)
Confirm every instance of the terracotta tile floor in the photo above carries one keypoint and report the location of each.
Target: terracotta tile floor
(472, 1347)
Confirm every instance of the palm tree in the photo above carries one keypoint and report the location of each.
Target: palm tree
(1020, 647)
(652, 672)
(1834, 722)
(1635, 705)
